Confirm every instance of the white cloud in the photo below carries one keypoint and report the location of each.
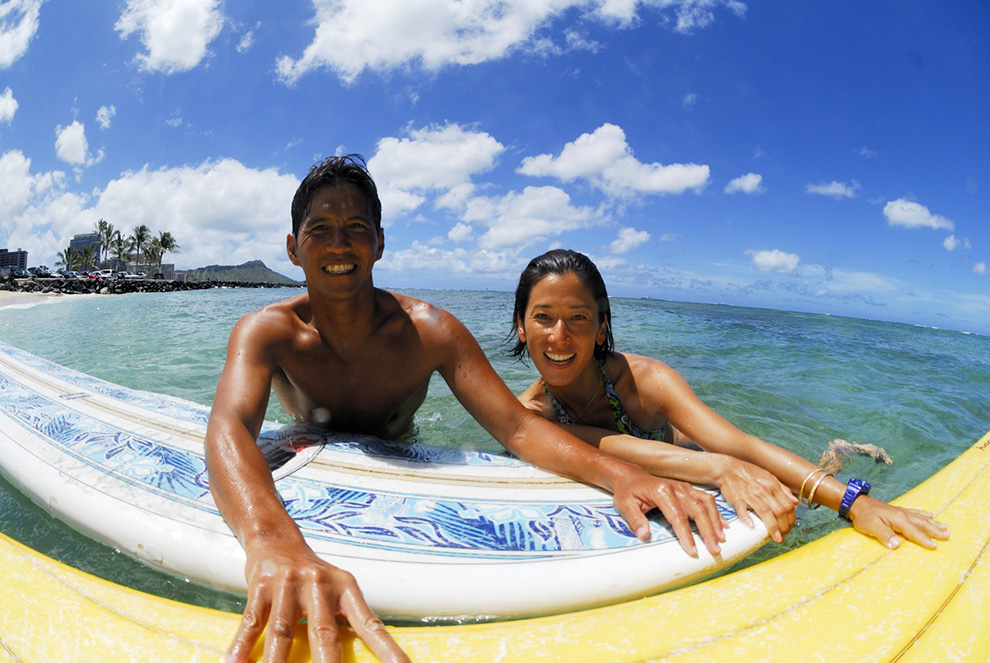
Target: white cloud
(951, 243)
(774, 260)
(750, 183)
(19, 185)
(689, 100)
(604, 159)
(431, 159)
(461, 232)
(981, 269)
(220, 212)
(71, 145)
(519, 219)
(175, 33)
(354, 35)
(18, 25)
(422, 257)
(8, 106)
(908, 214)
(628, 239)
(246, 42)
(837, 190)
(105, 115)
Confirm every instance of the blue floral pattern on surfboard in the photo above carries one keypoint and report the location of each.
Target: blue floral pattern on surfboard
(385, 518)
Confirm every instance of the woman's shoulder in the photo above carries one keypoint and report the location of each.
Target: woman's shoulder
(535, 399)
(635, 374)
(633, 365)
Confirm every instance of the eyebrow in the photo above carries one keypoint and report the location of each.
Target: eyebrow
(313, 218)
(573, 306)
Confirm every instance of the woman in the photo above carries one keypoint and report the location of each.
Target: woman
(633, 406)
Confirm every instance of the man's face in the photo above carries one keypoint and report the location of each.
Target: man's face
(337, 242)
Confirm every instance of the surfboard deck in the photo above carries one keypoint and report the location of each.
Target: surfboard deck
(843, 597)
(428, 532)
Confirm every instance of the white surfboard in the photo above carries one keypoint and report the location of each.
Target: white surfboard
(428, 532)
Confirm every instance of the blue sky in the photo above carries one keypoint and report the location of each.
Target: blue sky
(828, 157)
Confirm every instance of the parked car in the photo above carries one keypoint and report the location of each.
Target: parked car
(18, 273)
(40, 272)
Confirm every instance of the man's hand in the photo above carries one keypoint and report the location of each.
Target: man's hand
(285, 585)
(679, 502)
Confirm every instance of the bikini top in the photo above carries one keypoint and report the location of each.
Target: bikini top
(622, 421)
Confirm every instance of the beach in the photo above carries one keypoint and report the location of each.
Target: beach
(8, 298)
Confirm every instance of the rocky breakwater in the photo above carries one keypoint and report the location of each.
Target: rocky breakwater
(117, 286)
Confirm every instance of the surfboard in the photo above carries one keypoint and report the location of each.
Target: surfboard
(843, 597)
(439, 533)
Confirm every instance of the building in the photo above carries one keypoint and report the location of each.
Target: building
(80, 242)
(18, 258)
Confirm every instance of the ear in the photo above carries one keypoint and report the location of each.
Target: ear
(290, 248)
(600, 337)
(520, 330)
(381, 244)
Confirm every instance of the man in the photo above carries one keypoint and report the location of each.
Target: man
(320, 352)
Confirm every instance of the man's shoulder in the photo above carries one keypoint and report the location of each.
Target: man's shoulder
(276, 317)
(418, 311)
(433, 324)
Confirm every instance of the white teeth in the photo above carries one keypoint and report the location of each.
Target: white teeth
(559, 358)
(338, 269)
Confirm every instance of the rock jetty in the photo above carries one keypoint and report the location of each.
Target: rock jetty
(118, 286)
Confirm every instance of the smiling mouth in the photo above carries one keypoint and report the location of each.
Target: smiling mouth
(339, 269)
(559, 358)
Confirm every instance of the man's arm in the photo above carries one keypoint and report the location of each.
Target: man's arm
(540, 442)
(286, 579)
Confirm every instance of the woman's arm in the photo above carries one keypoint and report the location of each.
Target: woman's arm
(682, 408)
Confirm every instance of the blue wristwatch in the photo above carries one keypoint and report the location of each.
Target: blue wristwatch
(854, 489)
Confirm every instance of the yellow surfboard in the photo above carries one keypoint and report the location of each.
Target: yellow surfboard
(841, 598)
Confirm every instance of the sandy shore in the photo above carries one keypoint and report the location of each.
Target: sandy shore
(11, 298)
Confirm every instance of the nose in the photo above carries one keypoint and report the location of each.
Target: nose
(558, 332)
(337, 239)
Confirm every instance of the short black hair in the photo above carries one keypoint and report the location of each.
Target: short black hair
(561, 261)
(333, 171)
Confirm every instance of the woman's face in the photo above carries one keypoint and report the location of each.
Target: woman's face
(561, 327)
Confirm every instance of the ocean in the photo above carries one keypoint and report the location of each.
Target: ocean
(797, 380)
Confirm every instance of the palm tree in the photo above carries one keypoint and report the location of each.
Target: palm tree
(88, 257)
(165, 243)
(139, 240)
(69, 259)
(120, 248)
(153, 253)
(106, 232)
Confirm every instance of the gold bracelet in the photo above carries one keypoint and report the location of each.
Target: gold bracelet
(801, 492)
(811, 495)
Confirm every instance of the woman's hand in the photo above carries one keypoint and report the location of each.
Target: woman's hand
(750, 488)
(679, 502)
(884, 522)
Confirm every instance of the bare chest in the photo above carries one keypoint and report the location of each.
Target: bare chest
(368, 391)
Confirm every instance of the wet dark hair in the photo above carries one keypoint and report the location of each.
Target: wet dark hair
(561, 261)
(334, 171)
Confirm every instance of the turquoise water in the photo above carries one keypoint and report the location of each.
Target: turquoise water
(796, 380)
